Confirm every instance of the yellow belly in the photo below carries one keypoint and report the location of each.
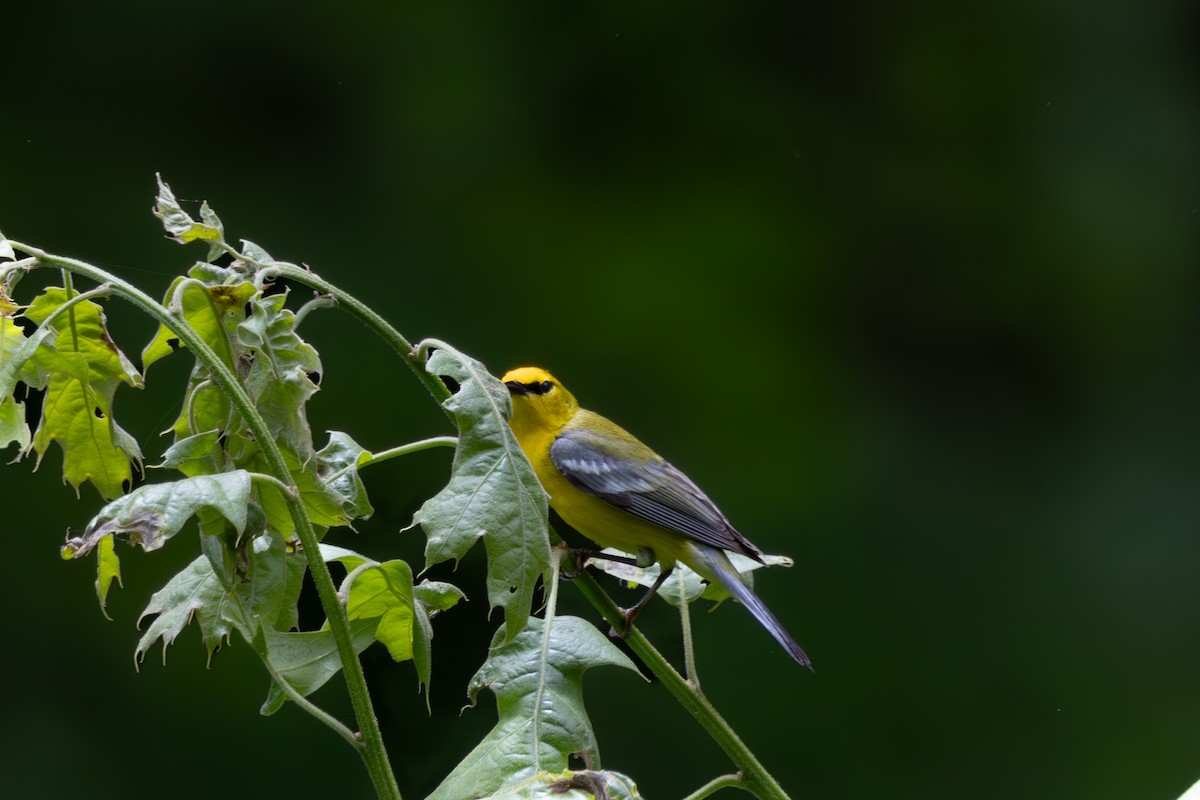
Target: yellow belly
(603, 523)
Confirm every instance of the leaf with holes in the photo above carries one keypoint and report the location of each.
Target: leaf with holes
(84, 369)
(493, 492)
(538, 682)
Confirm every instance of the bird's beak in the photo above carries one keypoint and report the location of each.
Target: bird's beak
(516, 388)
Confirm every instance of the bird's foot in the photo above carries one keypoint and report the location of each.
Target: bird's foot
(627, 615)
(581, 556)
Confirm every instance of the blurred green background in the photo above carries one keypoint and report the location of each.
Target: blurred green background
(912, 292)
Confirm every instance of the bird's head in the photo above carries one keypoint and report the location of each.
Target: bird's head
(539, 400)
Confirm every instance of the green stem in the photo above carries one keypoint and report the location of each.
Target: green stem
(304, 703)
(755, 778)
(402, 450)
(685, 616)
(716, 784)
(258, 477)
(373, 752)
(411, 447)
(357, 308)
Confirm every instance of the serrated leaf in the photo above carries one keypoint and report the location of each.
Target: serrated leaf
(385, 592)
(493, 492)
(84, 369)
(151, 514)
(429, 599)
(108, 569)
(179, 225)
(13, 426)
(77, 417)
(195, 590)
(307, 660)
(337, 467)
(259, 591)
(538, 681)
(695, 586)
(278, 381)
(15, 349)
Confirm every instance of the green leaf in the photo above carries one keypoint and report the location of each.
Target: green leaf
(278, 381)
(307, 660)
(194, 455)
(6, 250)
(205, 408)
(493, 492)
(322, 504)
(108, 569)
(84, 369)
(212, 311)
(695, 586)
(77, 417)
(180, 226)
(337, 467)
(257, 594)
(430, 598)
(538, 682)
(13, 425)
(196, 590)
(151, 514)
(385, 592)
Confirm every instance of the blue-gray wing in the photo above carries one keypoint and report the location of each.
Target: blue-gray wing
(611, 464)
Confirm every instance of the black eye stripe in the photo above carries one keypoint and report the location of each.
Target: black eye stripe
(533, 387)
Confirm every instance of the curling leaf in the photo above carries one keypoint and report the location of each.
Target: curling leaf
(493, 492)
(180, 226)
(337, 467)
(429, 599)
(694, 584)
(151, 514)
(385, 592)
(278, 381)
(538, 683)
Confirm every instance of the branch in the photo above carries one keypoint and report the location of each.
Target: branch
(372, 751)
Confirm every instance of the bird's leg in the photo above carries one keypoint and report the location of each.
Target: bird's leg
(583, 554)
(630, 614)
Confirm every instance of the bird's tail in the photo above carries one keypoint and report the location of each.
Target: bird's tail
(714, 564)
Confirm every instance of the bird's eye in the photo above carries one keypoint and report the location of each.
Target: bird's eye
(545, 387)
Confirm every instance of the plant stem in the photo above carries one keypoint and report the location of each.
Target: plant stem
(716, 784)
(364, 313)
(411, 447)
(755, 778)
(373, 752)
(685, 616)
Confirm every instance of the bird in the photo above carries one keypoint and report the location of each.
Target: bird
(614, 490)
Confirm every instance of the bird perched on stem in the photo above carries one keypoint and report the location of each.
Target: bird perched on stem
(619, 493)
